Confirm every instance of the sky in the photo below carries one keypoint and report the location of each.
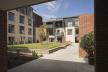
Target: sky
(64, 8)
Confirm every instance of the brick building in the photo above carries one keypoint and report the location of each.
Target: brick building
(20, 25)
(86, 26)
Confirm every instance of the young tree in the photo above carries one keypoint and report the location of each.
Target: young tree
(42, 32)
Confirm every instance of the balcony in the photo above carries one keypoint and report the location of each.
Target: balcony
(50, 26)
(60, 34)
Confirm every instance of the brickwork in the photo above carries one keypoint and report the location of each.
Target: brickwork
(3, 41)
(86, 26)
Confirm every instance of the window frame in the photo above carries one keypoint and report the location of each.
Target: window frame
(11, 29)
(70, 24)
(21, 19)
(11, 16)
(68, 33)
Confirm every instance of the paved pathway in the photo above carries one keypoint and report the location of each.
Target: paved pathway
(64, 60)
(71, 53)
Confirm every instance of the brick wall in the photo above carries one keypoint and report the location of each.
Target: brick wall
(86, 26)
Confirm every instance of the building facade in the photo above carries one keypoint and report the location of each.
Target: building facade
(20, 26)
(86, 26)
(63, 29)
(72, 25)
(37, 22)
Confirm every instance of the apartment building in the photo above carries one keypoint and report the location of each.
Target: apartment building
(72, 28)
(20, 26)
(63, 29)
(37, 22)
(55, 29)
(86, 26)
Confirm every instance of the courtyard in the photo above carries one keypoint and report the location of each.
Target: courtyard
(64, 60)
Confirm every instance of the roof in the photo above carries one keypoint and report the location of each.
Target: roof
(12, 4)
(59, 19)
(53, 19)
(71, 17)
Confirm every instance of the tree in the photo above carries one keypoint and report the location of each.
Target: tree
(42, 32)
(88, 44)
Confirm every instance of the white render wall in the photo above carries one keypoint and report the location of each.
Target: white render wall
(70, 38)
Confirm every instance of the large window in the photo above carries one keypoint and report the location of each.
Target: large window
(11, 16)
(22, 39)
(69, 31)
(29, 31)
(70, 24)
(21, 19)
(11, 40)
(21, 28)
(11, 28)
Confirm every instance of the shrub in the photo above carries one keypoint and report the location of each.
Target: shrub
(87, 43)
(34, 54)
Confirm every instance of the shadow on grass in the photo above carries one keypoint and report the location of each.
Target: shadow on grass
(18, 56)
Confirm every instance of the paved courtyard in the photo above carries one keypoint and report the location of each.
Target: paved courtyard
(64, 60)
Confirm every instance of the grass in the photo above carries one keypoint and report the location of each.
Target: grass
(36, 45)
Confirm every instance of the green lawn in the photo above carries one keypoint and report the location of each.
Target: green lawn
(36, 45)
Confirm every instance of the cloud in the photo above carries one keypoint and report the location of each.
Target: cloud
(46, 16)
(51, 5)
(54, 6)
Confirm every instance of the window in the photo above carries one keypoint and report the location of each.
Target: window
(21, 28)
(11, 40)
(69, 32)
(11, 28)
(29, 11)
(21, 19)
(77, 31)
(76, 23)
(11, 16)
(50, 31)
(22, 10)
(69, 24)
(22, 39)
(29, 31)
(29, 39)
(29, 22)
